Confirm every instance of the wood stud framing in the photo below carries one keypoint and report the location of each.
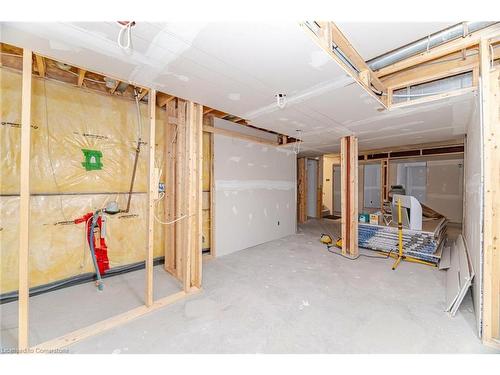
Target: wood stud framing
(319, 188)
(81, 76)
(170, 187)
(301, 190)
(152, 188)
(24, 203)
(490, 86)
(40, 64)
(181, 165)
(349, 194)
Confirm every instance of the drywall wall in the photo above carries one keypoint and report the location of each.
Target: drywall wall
(445, 188)
(443, 179)
(473, 217)
(65, 120)
(255, 193)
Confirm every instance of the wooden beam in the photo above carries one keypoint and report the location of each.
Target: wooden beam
(143, 93)
(24, 202)
(459, 141)
(113, 89)
(81, 76)
(181, 197)
(40, 64)
(230, 133)
(207, 110)
(440, 51)
(301, 190)
(490, 96)
(348, 49)
(152, 191)
(162, 102)
(427, 73)
(192, 264)
(110, 323)
(319, 188)
(170, 183)
(213, 244)
(196, 196)
(349, 195)
(329, 37)
(430, 98)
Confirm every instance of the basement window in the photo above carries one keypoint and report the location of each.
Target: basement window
(440, 86)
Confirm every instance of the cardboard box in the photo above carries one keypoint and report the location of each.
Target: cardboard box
(374, 219)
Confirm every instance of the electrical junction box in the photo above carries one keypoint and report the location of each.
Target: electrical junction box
(161, 187)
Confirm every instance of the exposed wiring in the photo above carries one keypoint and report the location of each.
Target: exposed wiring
(126, 29)
(157, 203)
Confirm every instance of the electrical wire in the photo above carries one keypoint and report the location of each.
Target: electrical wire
(128, 29)
(157, 203)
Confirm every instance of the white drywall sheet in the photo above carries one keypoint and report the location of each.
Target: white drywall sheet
(255, 193)
(473, 215)
(445, 188)
(371, 186)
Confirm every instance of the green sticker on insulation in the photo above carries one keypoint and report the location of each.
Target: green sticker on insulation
(92, 159)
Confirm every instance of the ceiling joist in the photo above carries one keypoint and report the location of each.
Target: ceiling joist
(81, 76)
(143, 93)
(164, 99)
(40, 64)
(115, 86)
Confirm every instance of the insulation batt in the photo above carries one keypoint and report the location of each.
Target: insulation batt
(62, 189)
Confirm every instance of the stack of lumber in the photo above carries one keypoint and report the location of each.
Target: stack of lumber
(424, 245)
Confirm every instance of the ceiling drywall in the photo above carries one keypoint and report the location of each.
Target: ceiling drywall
(239, 67)
(372, 39)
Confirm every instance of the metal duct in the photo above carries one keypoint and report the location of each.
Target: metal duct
(421, 45)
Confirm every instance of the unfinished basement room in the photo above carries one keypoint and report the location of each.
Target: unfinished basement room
(227, 187)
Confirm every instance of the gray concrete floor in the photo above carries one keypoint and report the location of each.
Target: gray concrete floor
(292, 296)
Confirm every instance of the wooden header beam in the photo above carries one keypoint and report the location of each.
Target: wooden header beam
(330, 37)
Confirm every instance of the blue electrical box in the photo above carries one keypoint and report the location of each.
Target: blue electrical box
(161, 187)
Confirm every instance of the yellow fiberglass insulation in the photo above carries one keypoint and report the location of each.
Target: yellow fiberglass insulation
(65, 120)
